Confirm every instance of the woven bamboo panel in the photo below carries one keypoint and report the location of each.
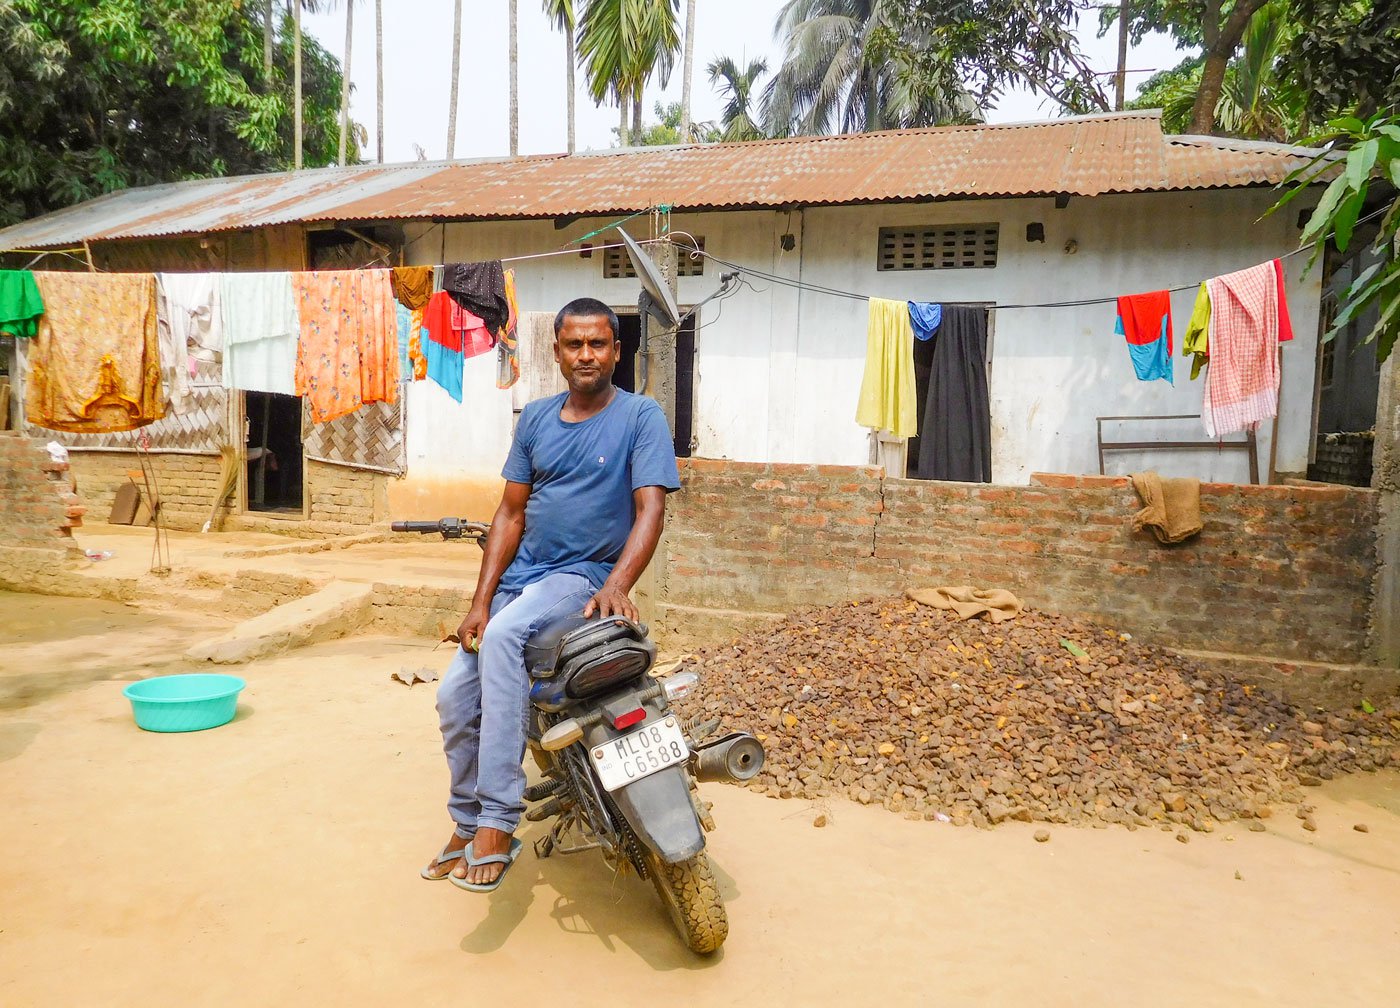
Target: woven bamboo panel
(372, 437)
(202, 429)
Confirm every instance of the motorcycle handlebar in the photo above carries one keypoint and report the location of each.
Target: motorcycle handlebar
(423, 527)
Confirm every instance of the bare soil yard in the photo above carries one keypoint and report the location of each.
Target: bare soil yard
(275, 861)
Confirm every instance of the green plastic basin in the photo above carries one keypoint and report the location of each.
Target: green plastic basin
(184, 703)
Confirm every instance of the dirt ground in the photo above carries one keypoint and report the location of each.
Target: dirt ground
(275, 861)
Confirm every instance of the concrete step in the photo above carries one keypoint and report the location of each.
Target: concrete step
(335, 611)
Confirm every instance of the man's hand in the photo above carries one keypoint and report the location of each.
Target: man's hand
(473, 626)
(610, 602)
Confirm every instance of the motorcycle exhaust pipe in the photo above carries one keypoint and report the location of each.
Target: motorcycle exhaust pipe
(735, 758)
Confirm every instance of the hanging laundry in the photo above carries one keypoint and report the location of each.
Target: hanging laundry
(413, 285)
(1196, 343)
(925, 317)
(21, 304)
(418, 362)
(94, 364)
(1145, 321)
(955, 442)
(260, 332)
(887, 388)
(407, 323)
(507, 350)
(191, 329)
(453, 335)
(347, 354)
(481, 289)
(1243, 378)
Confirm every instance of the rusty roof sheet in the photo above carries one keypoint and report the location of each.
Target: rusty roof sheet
(1083, 156)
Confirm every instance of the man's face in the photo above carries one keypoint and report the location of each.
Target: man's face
(587, 352)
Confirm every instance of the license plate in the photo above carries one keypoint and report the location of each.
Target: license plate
(627, 759)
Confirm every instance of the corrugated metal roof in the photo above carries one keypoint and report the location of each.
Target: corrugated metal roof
(1083, 156)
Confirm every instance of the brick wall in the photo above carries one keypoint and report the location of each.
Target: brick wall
(37, 501)
(37, 505)
(1282, 571)
(187, 483)
(345, 495)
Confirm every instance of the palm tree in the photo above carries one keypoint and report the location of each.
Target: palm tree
(456, 70)
(831, 80)
(561, 13)
(736, 121)
(514, 83)
(687, 70)
(622, 44)
(345, 80)
(296, 86)
(379, 77)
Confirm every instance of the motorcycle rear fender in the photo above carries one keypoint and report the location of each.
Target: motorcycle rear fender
(658, 807)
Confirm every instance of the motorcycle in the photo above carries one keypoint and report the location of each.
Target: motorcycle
(620, 767)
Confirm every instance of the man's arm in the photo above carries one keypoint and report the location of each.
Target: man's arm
(611, 599)
(507, 527)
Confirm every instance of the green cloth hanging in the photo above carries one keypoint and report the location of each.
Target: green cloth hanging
(20, 303)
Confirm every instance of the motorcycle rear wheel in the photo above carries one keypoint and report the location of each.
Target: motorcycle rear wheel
(690, 894)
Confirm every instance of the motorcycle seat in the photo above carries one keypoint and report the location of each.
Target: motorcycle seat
(566, 637)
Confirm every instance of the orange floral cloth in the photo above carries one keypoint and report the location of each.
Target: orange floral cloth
(508, 348)
(348, 352)
(94, 363)
(416, 357)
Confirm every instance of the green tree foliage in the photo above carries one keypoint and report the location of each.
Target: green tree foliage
(1257, 100)
(622, 44)
(1346, 55)
(851, 66)
(737, 88)
(667, 129)
(1372, 155)
(983, 47)
(99, 95)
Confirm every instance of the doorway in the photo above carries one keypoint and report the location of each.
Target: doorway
(625, 377)
(273, 475)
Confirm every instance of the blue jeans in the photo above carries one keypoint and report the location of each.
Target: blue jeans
(483, 704)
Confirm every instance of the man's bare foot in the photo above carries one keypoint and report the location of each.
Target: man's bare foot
(487, 841)
(455, 866)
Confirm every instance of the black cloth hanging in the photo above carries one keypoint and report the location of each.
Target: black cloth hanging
(955, 430)
(480, 288)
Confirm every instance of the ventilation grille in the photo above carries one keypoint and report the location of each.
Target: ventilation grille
(617, 266)
(968, 246)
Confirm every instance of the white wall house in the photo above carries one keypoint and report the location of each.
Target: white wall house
(777, 369)
(1079, 209)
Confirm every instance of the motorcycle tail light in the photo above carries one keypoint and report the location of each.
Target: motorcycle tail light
(682, 684)
(604, 673)
(630, 718)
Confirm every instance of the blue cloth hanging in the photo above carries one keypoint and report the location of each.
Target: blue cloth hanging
(925, 317)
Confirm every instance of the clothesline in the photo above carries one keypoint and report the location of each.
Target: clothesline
(837, 292)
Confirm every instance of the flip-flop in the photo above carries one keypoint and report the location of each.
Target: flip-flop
(473, 861)
(442, 859)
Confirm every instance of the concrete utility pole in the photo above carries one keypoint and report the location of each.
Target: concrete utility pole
(661, 344)
(1385, 605)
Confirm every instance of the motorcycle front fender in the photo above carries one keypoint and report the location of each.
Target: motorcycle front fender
(658, 807)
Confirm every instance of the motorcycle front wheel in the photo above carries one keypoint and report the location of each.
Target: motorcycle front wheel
(691, 895)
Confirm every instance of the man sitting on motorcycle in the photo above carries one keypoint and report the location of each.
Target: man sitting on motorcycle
(584, 502)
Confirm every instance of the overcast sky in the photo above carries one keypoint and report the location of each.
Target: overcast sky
(418, 65)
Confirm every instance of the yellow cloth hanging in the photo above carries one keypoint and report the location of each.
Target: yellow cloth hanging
(887, 391)
(1196, 343)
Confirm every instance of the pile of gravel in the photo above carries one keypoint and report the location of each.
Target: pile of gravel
(893, 703)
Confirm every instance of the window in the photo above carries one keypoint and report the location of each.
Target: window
(617, 265)
(966, 246)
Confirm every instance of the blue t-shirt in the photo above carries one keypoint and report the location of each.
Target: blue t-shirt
(581, 477)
